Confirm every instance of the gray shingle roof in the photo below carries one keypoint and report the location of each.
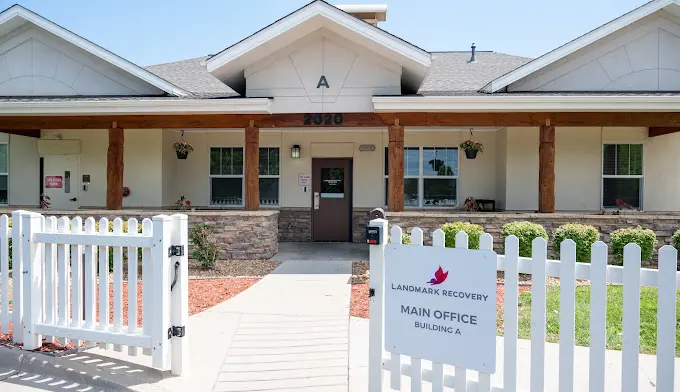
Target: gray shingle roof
(193, 76)
(452, 73)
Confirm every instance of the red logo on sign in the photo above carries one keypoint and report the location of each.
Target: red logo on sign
(53, 181)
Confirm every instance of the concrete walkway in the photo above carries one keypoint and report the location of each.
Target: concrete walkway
(288, 332)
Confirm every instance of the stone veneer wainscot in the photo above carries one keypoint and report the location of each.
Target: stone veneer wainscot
(240, 235)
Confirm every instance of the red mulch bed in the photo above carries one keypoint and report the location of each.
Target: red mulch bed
(203, 294)
(359, 299)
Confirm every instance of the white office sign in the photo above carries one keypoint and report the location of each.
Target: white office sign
(440, 305)
(304, 179)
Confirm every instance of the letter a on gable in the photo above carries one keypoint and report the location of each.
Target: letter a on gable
(323, 82)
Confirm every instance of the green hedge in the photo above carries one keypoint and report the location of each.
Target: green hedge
(405, 239)
(645, 238)
(526, 232)
(473, 231)
(583, 235)
(676, 241)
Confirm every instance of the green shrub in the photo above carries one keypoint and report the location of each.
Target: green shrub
(473, 231)
(405, 239)
(205, 249)
(676, 240)
(583, 235)
(645, 238)
(526, 232)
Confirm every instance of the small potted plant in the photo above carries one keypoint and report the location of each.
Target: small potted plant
(182, 149)
(471, 148)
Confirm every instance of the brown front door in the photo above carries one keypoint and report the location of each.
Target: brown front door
(331, 199)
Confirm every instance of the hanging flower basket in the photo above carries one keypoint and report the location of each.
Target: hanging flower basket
(182, 148)
(470, 154)
(471, 148)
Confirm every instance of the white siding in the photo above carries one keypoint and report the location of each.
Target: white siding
(661, 183)
(292, 76)
(643, 56)
(501, 167)
(24, 171)
(34, 62)
(170, 162)
(142, 159)
(578, 161)
(521, 184)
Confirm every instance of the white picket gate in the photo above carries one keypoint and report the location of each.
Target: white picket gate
(631, 275)
(61, 284)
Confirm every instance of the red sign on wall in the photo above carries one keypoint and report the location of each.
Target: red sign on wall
(53, 181)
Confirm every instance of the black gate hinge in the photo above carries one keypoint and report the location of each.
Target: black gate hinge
(175, 250)
(179, 332)
(371, 293)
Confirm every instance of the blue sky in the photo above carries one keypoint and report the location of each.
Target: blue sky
(149, 32)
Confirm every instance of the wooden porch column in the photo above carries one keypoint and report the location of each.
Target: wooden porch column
(395, 180)
(252, 169)
(546, 168)
(114, 169)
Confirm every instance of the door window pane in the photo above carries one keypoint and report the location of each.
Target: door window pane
(269, 191)
(625, 190)
(333, 182)
(227, 191)
(439, 192)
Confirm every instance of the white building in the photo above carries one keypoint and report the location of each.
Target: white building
(309, 100)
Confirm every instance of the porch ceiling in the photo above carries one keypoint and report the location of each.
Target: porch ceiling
(353, 120)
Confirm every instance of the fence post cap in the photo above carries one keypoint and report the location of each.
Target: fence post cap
(160, 218)
(377, 222)
(180, 216)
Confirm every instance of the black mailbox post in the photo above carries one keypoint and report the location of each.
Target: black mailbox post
(373, 235)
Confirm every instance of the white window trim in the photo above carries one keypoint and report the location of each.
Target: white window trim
(641, 177)
(277, 205)
(421, 179)
(7, 174)
(241, 176)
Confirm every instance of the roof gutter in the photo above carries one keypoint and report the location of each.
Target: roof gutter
(529, 103)
(137, 106)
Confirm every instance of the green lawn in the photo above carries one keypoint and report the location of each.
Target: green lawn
(648, 311)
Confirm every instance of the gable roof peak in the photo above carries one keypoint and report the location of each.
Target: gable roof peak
(8, 22)
(563, 51)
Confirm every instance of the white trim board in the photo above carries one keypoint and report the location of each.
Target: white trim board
(530, 103)
(581, 42)
(17, 11)
(137, 106)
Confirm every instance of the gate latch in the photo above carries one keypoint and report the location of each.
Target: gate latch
(175, 250)
(179, 332)
(371, 293)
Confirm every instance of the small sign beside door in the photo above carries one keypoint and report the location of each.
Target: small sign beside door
(54, 181)
(305, 179)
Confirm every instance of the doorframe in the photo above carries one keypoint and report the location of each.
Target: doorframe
(77, 157)
(351, 195)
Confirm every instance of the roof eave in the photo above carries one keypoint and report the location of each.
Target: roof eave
(137, 107)
(528, 103)
(330, 12)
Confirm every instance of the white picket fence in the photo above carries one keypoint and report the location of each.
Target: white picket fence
(60, 284)
(631, 275)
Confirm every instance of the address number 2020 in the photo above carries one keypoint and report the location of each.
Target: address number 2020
(323, 119)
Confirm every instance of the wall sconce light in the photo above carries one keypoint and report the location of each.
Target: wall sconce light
(295, 151)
